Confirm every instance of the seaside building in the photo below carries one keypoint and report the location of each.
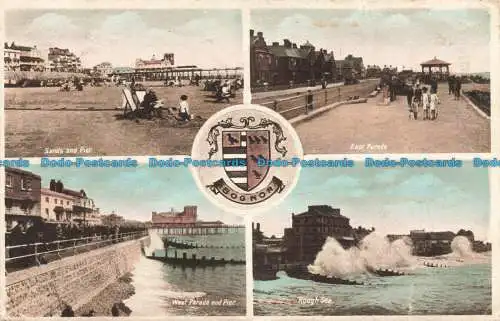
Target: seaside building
(172, 218)
(103, 69)
(22, 197)
(63, 60)
(112, 219)
(23, 58)
(310, 230)
(71, 206)
(11, 58)
(280, 64)
(154, 64)
(56, 206)
(431, 243)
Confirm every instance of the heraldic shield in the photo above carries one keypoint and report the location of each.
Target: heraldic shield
(242, 150)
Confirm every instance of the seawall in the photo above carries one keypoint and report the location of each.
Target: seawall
(42, 291)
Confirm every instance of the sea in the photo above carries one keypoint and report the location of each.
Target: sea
(162, 289)
(461, 285)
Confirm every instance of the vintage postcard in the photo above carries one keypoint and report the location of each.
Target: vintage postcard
(87, 242)
(377, 242)
(117, 82)
(350, 81)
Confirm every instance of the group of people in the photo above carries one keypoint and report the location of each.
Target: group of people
(152, 106)
(68, 84)
(454, 86)
(32, 232)
(424, 98)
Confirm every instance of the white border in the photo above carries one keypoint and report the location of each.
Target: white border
(245, 6)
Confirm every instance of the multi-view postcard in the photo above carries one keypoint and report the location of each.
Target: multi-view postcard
(368, 242)
(249, 159)
(376, 81)
(89, 243)
(109, 82)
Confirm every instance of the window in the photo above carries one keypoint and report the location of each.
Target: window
(47, 212)
(67, 203)
(8, 181)
(55, 200)
(62, 202)
(25, 184)
(46, 199)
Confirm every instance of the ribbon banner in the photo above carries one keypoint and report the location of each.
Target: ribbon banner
(221, 187)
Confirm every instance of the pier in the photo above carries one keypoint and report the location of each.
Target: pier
(194, 229)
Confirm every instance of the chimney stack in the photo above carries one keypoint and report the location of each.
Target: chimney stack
(287, 43)
(275, 44)
(260, 34)
(251, 32)
(258, 227)
(52, 185)
(294, 45)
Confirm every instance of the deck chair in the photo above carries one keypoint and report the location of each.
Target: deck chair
(128, 102)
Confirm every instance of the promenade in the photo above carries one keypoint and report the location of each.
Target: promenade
(374, 128)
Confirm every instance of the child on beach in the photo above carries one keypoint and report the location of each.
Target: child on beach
(433, 106)
(425, 103)
(184, 109)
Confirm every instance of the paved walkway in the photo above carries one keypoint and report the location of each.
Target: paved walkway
(372, 128)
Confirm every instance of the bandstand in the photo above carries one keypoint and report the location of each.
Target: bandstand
(437, 68)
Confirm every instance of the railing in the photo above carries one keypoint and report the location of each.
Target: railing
(41, 253)
(297, 104)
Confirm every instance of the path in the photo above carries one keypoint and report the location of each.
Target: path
(350, 128)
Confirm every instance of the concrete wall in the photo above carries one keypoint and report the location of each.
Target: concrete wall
(41, 291)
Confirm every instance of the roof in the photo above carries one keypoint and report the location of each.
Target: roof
(72, 192)
(321, 210)
(21, 48)
(151, 62)
(435, 62)
(281, 51)
(21, 171)
(46, 191)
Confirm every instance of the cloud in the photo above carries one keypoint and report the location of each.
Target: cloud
(204, 39)
(401, 38)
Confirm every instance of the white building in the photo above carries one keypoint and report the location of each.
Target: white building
(154, 63)
(56, 207)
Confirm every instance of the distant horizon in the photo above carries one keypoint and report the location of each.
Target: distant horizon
(281, 235)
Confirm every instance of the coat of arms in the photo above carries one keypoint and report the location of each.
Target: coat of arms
(245, 151)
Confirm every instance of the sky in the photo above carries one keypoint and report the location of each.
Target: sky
(398, 38)
(394, 201)
(136, 193)
(206, 38)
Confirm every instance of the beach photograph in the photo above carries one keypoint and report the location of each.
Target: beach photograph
(116, 82)
(376, 81)
(366, 242)
(88, 242)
